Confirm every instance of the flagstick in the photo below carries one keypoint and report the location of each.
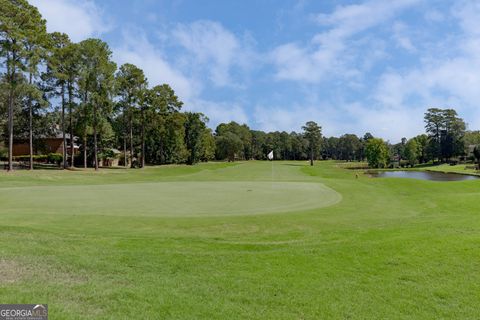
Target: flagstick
(270, 158)
(272, 172)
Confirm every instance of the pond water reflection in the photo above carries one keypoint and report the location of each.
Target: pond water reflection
(423, 175)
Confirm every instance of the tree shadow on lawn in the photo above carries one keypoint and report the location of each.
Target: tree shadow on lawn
(293, 164)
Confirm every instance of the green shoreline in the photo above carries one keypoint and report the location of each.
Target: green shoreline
(428, 170)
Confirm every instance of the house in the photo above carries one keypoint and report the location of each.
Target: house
(45, 145)
(470, 149)
(110, 158)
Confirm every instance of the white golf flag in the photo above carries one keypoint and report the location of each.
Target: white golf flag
(270, 155)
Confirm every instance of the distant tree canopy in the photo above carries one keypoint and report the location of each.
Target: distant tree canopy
(412, 151)
(446, 132)
(476, 154)
(198, 138)
(376, 151)
(50, 85)
(313, 134)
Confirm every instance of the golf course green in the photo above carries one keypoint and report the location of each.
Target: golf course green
(247, 240)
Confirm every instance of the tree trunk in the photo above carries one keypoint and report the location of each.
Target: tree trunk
(85, 98)
(70, 111)
(125, 150)
(131, 141)
(311, 157)
(10, 108)
(95, 149)
(64, 145)
(125, 124)
(85, 151)
(30, 125)
(143, 139)
(10, 129)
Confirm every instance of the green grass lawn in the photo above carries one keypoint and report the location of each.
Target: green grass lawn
(459, 168)
(222, 241)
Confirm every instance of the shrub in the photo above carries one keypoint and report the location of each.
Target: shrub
(376, 151)
(404, 163)
(3, 153)
(56, 158)
(107, 154)
(36, 158)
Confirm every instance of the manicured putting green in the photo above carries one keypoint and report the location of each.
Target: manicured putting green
(169, 198)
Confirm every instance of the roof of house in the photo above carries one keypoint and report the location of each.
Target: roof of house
(58, 134)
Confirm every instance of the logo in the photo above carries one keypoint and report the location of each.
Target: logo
(23, 312)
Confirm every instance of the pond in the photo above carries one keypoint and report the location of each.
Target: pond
(423, 175)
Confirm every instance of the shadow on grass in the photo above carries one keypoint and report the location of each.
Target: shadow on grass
(293, 164)
(427, 165)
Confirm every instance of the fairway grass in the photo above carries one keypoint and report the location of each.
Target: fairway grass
(247, 240)
(171, 199)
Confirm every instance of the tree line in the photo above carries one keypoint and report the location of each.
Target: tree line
(446, 140)
(49, 82)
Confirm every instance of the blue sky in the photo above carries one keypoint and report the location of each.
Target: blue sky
(351, 66)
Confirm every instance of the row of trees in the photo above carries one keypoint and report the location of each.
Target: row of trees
(446, 138)
(106, 107)
(47, 81)
(235, 141)
(51, 84)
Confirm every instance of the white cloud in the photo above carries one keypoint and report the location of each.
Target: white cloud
(345, 54)
(451, 80)
(141, 52)
(278, 118)
(296, 63)
(400, 35)
(395, 104)
(329, 53)
(218, 112)
(208, 42)
(293, 117)
(78, 19)
(391, 123)
(447, 83)
(467, 12)
(138, 50)
(213, 49)
(434, 16)
(352, 19)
